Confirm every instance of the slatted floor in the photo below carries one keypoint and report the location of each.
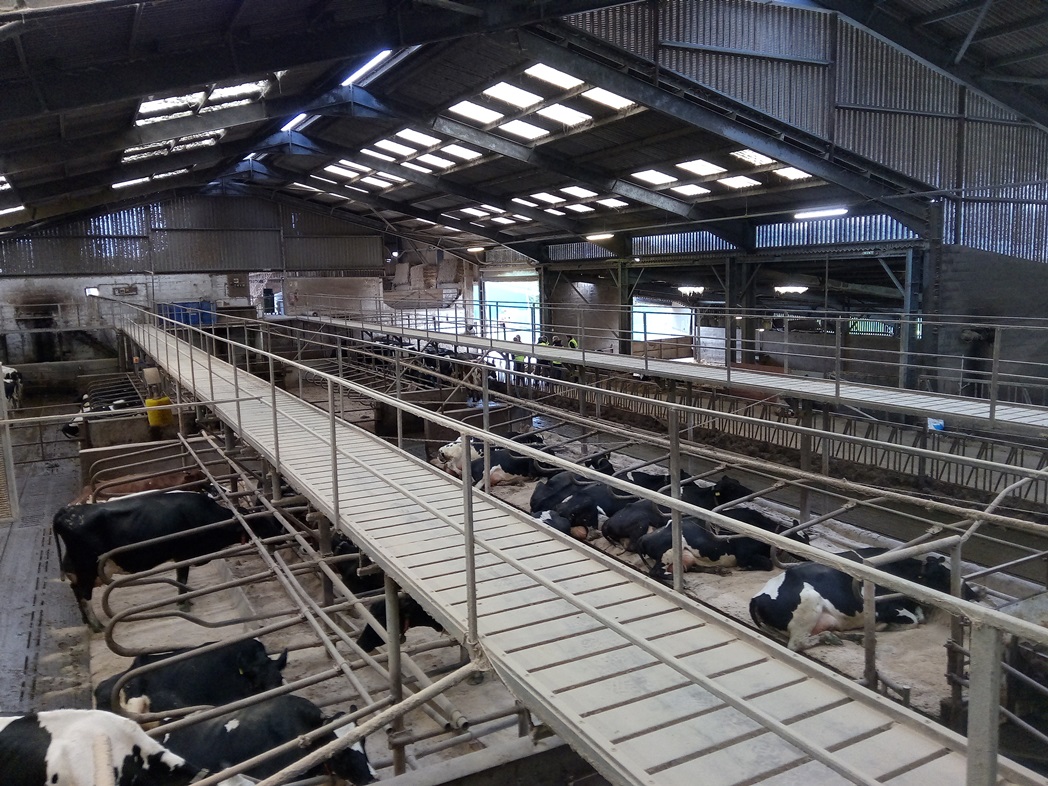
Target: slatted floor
(956, 409)
(646, 685)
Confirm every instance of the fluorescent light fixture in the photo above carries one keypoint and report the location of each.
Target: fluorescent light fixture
(519, 217)
(395, 147)
(353, 165)
(367, 68)
(129, 183)
(691, 290)
(792, 173)
(7, 210)
(579, 208)
(294, 122)
(374, 181)
(475, 212)
(690, 189)
(388, 176)
(437, 161)
(395, 254)
(523, 130)
(753, 157)
(600, 236)
(823, 212)
(375, 154)
(579, 192)
(525, 202)
(606, 97)
(701, 167)
(655, 177)
(545, 196)
(460, 152)
(554, 211)
(504, 91)
(739, 181)
(503, 220)
(791, 290)
(553, 76)
(612, 202)
(418, 137)
(475, 249)
(451, 229)
(492, 208)
(564, 114)
(475, 112)
(416, 167)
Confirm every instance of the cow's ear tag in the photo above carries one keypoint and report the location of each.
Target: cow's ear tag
(241, 672)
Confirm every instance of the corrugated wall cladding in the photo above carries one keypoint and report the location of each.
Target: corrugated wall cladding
(983, 108)
(680, 243)
(568, 251)
(132, 222)
(628, 27)
(334, 253)
(188, 250)
(500, 255)
(919, 146)
(217, 212)
(304, 223)
(36, 256)
(855, 229)
(1015, 229)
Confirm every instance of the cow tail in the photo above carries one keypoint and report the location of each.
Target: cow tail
(755, 613)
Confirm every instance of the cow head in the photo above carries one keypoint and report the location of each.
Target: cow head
(351, 763)
(452, 452)
(935, 574)
(261, 670)
(728, 489)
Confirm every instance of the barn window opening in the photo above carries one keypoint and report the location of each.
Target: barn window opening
(659, 319)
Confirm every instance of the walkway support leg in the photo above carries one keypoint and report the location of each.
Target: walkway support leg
(984, 705)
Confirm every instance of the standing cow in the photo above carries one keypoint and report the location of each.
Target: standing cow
(227, 740)
(89, 531)
(13, 387)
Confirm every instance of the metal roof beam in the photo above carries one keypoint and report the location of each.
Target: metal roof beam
(909, 210)
(78, 85)
(904, 35)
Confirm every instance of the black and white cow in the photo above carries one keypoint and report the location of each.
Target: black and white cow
(72, 428)
(412, 615)
(347, 571)
(807, 603)
(227, 740)
(228, 673)
(59, 748)
(562, 524)
(506, 467)
(89, 531)
(13, 387)
(627, 526)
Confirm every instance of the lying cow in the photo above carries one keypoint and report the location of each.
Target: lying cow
(72, 428)
(627, 526)
(89, 531)
(806, 603)
(234, 671)
(412, 615)
(59, 748)
(13, 387)
(227, 740)
(506, 467)
(562, 524)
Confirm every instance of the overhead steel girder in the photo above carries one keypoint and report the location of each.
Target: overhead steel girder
(595, 178)
(382, 203)
(911, 211)
(44, 153)
(62, 89)
(444, 185)
(871, 15)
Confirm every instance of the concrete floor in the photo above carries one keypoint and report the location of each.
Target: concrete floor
(43, 644)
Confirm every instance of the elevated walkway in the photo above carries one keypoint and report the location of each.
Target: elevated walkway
(645, 684)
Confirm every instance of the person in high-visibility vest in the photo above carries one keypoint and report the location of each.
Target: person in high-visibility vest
(573, 343)
(557, 366)
(520, 362)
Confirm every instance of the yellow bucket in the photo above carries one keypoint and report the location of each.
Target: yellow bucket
(159, 417)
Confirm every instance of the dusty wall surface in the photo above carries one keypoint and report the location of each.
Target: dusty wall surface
(327, 295)
(589, 311)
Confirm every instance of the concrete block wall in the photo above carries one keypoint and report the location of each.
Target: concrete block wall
(588, 310)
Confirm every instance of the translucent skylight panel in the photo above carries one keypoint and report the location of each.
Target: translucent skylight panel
(413, 165)
(473, 211)
(525, 202)
(4, 185)
(606, 97)
(544, 196)
(374, 181)
(342, 172)
(395, 147)
(753, 157)
(172, 173)
(519, 217)
(460, 152)
(144, 121)
(172, 104)
(553, 76)
(739, 181)
(226, 105)
(523, 129)
(367, 68)
(579, 208)
(437, 161)
(493, 209)
(564, 114)
(475, 112)
(612, 202)
(690, 189)
(418, 137)
(503, 220)
(193, 144)
(248, 90)
(7, 210)
(353, 165)
(554, 211)
(655, 177)
(579, 192)
(388, 176)
(701, 168)
(510, 94)
(792, 173)
(375, 154)
(324, 180)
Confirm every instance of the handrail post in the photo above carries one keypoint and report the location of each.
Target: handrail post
(334, 454)
(395, 671)
(994, 374)
(984, 705)
(675, 490)
(236, 385)
(472, 637)
(276, 424)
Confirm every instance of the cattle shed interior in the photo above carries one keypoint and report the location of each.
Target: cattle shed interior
(764, 277)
